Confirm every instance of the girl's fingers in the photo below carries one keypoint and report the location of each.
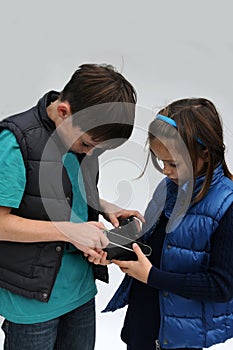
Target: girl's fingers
(121, 264)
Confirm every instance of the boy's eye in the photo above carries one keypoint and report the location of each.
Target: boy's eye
(85, 144)
(174, 165)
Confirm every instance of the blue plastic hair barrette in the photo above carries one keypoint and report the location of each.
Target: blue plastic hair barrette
(173, 123)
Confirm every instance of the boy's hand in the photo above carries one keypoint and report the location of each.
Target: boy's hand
(101, 260)
(112, 212)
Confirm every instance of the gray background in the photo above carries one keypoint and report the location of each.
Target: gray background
(167, 49)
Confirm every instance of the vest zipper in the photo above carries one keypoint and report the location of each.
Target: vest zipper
(157, 345)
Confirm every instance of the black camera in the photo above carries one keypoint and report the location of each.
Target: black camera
(121, 239)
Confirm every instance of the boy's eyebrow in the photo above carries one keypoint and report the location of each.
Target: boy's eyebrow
(89, 143)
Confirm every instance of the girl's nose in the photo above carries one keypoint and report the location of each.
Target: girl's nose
(167, 170)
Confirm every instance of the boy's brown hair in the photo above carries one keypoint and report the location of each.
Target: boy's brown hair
(102, 102)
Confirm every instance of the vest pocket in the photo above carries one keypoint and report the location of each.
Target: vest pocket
(19, 257)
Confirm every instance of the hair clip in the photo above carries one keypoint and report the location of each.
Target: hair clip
(173, 123)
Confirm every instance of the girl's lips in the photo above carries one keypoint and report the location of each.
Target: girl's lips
(174, 180)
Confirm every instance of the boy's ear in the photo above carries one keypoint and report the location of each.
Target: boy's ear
(64, 110)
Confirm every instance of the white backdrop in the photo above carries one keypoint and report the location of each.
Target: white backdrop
(167, 49)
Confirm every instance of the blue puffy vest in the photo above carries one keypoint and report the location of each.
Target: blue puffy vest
(187, 322)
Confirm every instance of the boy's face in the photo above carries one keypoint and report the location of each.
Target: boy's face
(83, 143)
(73, 137)
(77, 140)
(172, 162)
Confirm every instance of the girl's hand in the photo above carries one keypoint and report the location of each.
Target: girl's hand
(102, 260)
(137, 269)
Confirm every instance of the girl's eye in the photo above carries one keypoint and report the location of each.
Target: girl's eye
(162, 164)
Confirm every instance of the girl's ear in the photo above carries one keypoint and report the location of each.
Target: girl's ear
(64, 110)
(205, 155)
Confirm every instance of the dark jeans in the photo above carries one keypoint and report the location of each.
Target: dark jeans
(131, 348)
(74, 331)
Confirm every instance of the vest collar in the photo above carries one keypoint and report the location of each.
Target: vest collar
(43, 103)
(178, 199)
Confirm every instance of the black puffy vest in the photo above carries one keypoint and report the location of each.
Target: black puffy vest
(30, 269)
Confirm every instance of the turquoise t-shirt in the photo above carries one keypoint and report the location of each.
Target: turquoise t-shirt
(75, 283)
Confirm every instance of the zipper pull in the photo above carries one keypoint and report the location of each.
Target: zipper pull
(157, 345)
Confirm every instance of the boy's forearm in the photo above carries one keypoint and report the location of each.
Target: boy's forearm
(17, 229)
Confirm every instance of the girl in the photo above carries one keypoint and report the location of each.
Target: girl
(181, 297)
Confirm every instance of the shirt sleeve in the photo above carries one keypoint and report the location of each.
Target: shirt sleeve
(214, 285)
(12, 171)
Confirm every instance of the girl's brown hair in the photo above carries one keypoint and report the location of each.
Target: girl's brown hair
(200, 127)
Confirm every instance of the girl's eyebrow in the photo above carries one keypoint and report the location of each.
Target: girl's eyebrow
(168, 160)
(164, 160)
(152, 152)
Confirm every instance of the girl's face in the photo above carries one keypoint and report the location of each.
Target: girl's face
(172, 162)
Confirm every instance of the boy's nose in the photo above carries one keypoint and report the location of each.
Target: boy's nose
(90, 151)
